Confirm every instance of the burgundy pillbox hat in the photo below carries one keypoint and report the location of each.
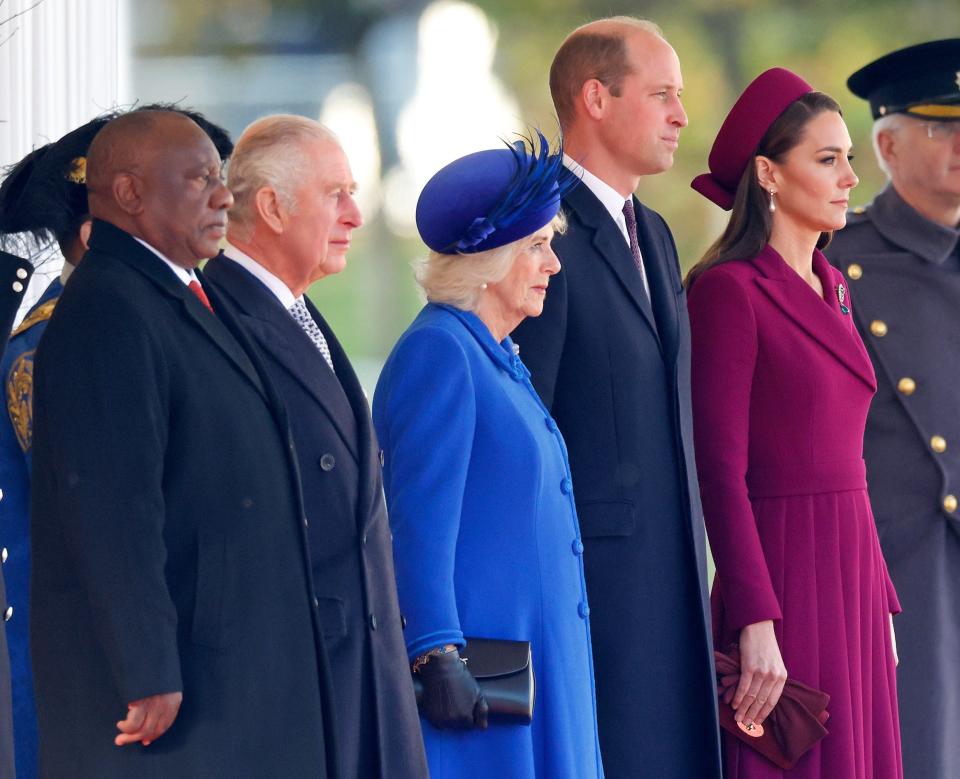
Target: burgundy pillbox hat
(767, 96)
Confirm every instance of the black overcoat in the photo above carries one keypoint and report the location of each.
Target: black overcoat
(614, 371)
(169, 547)
(14, 275)
(350, 544)
(903, 272)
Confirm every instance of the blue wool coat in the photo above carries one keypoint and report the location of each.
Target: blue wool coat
(16, 438)
(486, 539)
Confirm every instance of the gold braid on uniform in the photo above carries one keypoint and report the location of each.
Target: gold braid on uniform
(20, 398)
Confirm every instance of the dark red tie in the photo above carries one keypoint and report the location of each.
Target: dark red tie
(197, 290)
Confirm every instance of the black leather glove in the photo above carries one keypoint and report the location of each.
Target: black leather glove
(451, 696)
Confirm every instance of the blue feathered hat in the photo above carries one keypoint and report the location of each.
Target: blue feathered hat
(493, 197)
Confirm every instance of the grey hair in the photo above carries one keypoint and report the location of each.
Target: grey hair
(458, 279)
(885, 124)
(269, 153)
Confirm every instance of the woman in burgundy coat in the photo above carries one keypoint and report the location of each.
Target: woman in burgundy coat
(781, 388)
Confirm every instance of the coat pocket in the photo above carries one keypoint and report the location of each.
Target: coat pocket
(606, 518)
(212, 620)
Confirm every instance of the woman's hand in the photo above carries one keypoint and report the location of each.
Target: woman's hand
(451, 696)
(893, 642)
(762, 673)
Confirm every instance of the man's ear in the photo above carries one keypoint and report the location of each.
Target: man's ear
(887, 148)
(270, 209)
(86, 226)
(127, 191)
(594, 97)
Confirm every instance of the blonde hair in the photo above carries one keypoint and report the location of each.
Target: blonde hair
(269, 153)
(458, 279)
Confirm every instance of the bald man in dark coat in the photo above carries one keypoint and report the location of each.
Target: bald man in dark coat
(174, 628)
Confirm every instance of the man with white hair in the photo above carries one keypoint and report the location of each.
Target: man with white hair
(901, 255)
(291, 223)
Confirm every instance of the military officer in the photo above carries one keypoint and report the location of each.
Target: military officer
(44, 196)
(901, 258)
(14, 276)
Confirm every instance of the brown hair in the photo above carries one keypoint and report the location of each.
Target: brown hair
(595, 50)
(748, 230)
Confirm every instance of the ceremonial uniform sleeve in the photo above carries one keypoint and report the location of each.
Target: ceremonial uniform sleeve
(724, 351)
(425, 411)
(101, 417)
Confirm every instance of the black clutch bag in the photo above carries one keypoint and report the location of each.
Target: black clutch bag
(504, 671)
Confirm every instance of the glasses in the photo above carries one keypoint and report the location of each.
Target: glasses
(942, 131)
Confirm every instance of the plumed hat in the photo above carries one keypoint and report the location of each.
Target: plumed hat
(490, 198)
(921, 80)
(767, 96)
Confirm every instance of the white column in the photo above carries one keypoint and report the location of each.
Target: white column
(60, 65)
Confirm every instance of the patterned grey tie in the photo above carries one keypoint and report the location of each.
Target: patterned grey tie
(301, 315)
(631, 219)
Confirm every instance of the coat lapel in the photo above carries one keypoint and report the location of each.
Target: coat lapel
(820, 318)
(609, 243)
(281, 337)
(121, 245)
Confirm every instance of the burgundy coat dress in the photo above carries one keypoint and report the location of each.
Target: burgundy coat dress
(781, 388)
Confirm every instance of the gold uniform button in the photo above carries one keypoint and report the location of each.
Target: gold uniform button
(907, 386)
(950, 503)
(878, 327)
(938, 443)
(859, 210)
(854, 271)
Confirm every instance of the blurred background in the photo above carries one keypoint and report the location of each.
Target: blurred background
(411, 84)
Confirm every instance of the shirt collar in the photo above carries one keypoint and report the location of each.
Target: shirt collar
(280, 290)
(186, 276)
(607, 195)
(906, 227)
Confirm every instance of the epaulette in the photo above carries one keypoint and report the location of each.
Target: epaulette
(39, 314)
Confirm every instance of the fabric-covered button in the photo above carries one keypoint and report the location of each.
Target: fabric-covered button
(577, 546)
(854, 271)
(950, 503)
(328, 462)
(583, 610)
(566, 486)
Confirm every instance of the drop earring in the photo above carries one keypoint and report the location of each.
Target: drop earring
(773, 205)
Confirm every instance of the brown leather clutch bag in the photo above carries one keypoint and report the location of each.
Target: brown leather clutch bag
(794, 726)
(504, 671)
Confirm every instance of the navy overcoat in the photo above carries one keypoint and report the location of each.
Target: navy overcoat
(168, 539)
(614, 371)
(350, 551)
(485, 538)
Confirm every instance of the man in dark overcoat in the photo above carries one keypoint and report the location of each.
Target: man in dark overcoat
(174, 628)
(14, 275)
(610, 356)
(291, 226)
(901, 258)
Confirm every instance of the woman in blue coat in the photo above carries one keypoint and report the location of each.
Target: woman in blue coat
(486, 540)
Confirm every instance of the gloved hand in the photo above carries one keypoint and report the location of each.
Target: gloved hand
(451, 696)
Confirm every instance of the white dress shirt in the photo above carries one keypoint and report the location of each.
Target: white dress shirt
(186, 276)
(611, 200)
(280, 290)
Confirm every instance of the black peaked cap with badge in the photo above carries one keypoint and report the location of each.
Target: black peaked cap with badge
(922, 81)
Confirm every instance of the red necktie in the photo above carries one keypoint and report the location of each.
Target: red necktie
(197, 290)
